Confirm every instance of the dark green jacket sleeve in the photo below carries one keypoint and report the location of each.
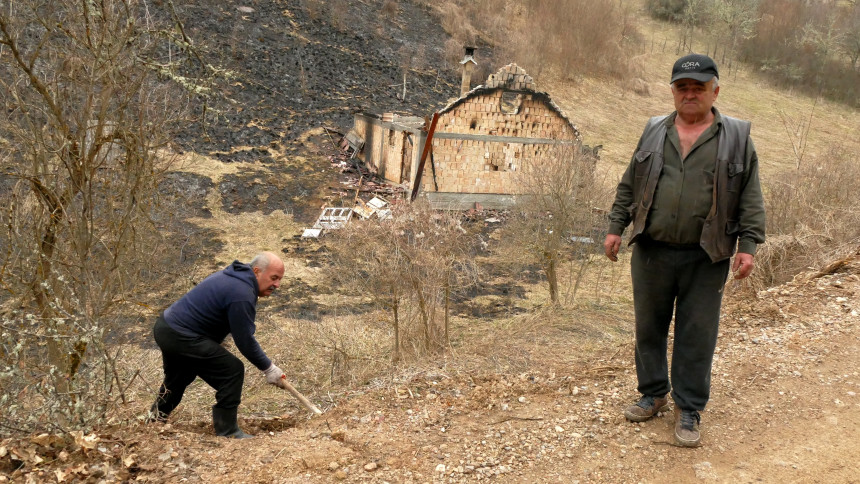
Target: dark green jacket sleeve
(620, 215)
(751, 216)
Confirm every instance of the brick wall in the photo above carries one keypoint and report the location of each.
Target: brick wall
(490, 166)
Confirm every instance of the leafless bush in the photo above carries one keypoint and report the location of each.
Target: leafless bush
(581, 37)
(87, 114)
(339, 15)
(457, 23)
(555, 218)
(409, 265)
(30, 398)
(812, 217)
(578, 37)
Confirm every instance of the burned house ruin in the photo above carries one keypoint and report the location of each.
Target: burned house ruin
(479, 141)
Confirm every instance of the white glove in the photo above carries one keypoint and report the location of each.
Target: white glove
(274, 375)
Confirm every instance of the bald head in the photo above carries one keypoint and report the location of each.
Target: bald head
(263, 259)
(269, 270)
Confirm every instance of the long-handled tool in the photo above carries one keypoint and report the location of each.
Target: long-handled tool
(307, 403)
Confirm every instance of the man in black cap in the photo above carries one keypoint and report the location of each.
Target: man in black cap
(693, 195)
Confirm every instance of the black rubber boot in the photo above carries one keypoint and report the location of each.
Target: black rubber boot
(224, 420)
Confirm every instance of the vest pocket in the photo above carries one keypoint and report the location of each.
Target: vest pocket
(732, 227)
(640, 172)
(642, 167)
(734, 182)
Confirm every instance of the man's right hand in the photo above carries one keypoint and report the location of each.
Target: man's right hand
(274, 375)
(611, 246)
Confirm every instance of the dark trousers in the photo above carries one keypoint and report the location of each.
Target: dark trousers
(185, 358)
(685, 282)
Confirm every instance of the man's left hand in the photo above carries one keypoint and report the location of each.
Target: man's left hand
(743, 265)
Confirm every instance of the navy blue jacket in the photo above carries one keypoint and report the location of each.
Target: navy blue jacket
(224, 303)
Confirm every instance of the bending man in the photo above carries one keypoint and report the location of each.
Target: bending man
(191, 330)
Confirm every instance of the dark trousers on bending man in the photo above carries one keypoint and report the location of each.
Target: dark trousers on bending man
(187, 357)
(679, 280)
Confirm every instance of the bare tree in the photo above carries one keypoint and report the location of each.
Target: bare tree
(824, 38)
(851, 39)
(406, 56)
(409, 264)
(695, 12)
(555, 217)
(88, 110)
(739, 19)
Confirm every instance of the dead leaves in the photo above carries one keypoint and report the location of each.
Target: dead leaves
(64, 458)
(88, 442)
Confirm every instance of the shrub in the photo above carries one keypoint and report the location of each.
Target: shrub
(408, 264)
(554, 219)
(812, 217)
(672, 10)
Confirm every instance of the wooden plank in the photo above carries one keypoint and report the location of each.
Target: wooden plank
(466, 201)
(389, 125)
(355, 141)
(428, 144)
(503, 139)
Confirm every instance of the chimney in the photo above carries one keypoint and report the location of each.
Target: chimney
(468, 63)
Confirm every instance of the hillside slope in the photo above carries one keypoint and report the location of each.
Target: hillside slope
(516, 400)
(784, 408)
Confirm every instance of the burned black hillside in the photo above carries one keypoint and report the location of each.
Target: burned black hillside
(293, 67)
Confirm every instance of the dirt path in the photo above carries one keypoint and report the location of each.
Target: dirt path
(784, 408)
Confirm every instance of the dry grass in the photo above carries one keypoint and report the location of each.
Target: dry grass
(543, 338)
(332, 355)
(344, 353)
(247, 233)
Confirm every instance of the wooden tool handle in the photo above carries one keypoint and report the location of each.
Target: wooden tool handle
(307, 403)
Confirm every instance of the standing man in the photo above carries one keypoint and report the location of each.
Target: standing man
(693, 195)
(191, 330)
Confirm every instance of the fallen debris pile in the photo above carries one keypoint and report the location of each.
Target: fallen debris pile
(333, 218)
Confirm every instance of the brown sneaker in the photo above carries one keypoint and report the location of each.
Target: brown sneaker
(646, 408)
(687, 427)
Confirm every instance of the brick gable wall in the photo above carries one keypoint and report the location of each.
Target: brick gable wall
(487, 164)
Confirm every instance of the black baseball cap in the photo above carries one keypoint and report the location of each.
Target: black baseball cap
(694, 66)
